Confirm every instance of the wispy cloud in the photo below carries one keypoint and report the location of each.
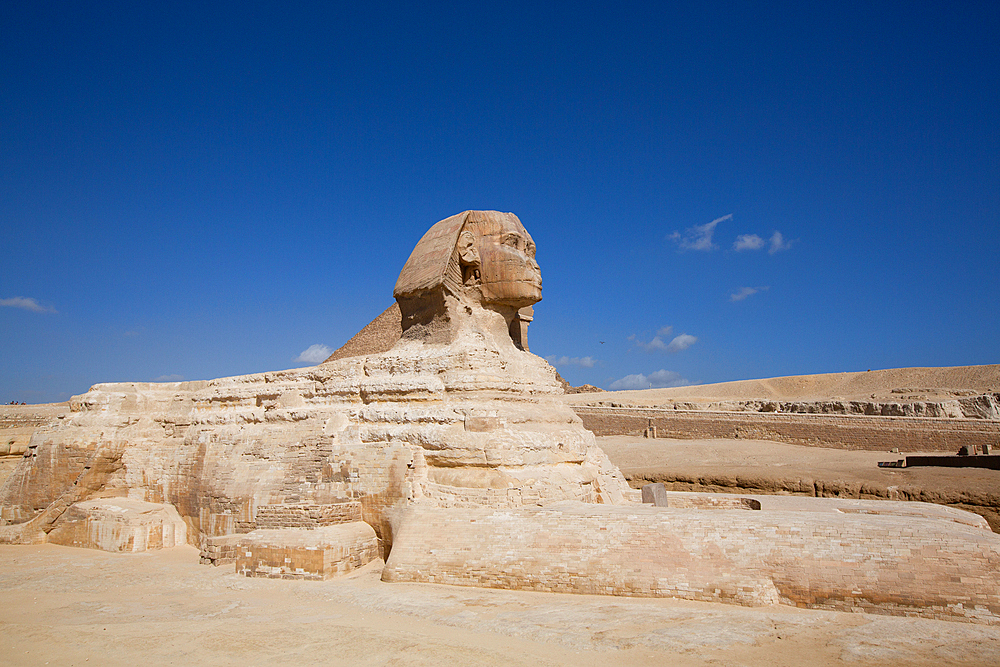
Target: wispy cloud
(26, 303)
(744, 292)
(778, 243)
(658, 380)
(748, 242)
(169, 378)
(314, 354)
(698, 237)
(660, 344)
(583, 362)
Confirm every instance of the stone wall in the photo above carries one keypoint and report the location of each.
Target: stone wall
(307, 516)
(909, 434)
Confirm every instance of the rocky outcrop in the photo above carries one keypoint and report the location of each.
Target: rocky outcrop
(981, 406)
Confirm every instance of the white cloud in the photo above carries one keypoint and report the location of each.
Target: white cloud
(658, 380)
(698, 237)
(682, 342)
(169, 378)
(583, 362)
(748, 242)
(778, 243)
(745, 292)
(654, 345)
(659, 344)
(314, 354)
(27, 303)
(753, 242)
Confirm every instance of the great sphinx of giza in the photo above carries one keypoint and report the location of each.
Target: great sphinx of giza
(450, 455)
(455, 414)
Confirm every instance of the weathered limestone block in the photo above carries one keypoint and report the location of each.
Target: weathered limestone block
(655, 494)
(291, 553)
(120, 524)
(826, 559)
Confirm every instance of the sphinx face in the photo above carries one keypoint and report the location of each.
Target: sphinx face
(509, 274)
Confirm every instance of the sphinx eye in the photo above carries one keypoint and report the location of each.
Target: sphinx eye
(513, 240)
(530, 250)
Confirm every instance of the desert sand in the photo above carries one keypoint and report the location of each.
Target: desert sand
(67, 606)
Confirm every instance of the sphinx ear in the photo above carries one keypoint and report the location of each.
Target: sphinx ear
(467, 252)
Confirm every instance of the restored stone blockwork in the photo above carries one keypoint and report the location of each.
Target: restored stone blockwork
(307, 516)
(847, 432)
(314, 554)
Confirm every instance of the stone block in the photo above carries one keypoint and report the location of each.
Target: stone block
(655, 494)
(321, 553)
(119, 524)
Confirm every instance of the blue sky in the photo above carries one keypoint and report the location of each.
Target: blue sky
(717, 191)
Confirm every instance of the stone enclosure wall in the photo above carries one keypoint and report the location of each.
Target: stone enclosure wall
(837, 431)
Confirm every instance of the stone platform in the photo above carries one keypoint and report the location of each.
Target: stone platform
(293, 553)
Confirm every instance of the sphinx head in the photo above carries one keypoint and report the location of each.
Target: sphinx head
(497, 254)
(481, 259)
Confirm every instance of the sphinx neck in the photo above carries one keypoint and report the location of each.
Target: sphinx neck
(441, 317)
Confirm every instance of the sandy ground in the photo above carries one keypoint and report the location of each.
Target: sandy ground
(65, 606)
(768, 460)
(763, 466)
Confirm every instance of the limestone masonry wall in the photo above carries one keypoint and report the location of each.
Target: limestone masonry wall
(839, 431)
(307, 516)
